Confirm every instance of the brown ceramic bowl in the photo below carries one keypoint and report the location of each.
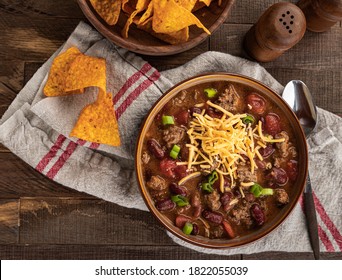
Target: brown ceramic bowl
(302, 160)
(143, 43)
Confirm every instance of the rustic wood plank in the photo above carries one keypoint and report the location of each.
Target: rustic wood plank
(9, 221)
(316, 51)
(19, 179)
(105, 252)
(87, 221)
(41, 9)
(32, 39)
(291, 256)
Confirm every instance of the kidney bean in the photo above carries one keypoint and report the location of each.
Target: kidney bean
(165, 204)
(155, 148)
(213, 217)
(261, 164)
(272, 124)
(226, 183)
(175, 189)
(195, 229)
(292, 169)
(181, 220)
(279, 175)
(197, 211)
(226, 198)
(182, 117)
(257, 214)
(213, 113)
(257, 102)
(194, 110)
(266, 152)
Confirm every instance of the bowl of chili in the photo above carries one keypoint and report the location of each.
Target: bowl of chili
(221, 160)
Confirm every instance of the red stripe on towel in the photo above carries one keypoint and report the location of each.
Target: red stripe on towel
(135, 93)
(51, 154)
(328, 222)
(131, 81)
(63, 158)
(321, 233)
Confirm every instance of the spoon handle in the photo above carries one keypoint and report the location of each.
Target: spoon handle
(310, 212)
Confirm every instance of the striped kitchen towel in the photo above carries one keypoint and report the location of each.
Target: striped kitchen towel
(36, 129)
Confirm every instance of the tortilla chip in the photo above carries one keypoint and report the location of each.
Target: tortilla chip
(141, 6)
(169, 17)
(173, 38)
(207, 2)
(148, 13)
(128, 6)
(187, 4)
(55, 85)
(86, 71)
(109, 10)
(97, 122)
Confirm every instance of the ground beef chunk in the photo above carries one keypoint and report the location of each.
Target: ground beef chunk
(281, 196)
(213, 200)
(241, 215)
(173, 135)
(283, 147)
(156, 183)
(279, 162)
(293, 151)
(244, 174)
(229, 99)
(216, 232)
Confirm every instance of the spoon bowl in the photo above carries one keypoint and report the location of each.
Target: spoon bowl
(299, 98)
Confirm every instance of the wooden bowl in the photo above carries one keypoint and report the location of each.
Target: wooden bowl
(142, 42)
(298, 184)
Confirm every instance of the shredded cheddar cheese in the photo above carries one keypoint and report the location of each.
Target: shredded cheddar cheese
(220, 144)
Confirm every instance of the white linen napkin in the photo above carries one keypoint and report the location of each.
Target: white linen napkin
(36, 129)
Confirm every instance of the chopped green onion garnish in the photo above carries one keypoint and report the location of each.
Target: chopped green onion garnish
(167, 120)
(267, 192)
(248, 119)
(174, 151)
(208, 186)
(180, 200)
(258, 190)
(210, 92)
(188, 227)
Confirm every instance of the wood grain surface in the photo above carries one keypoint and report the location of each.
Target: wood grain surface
(40, 219)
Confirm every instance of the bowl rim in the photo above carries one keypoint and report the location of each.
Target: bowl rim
(162, 50)
(144, 192)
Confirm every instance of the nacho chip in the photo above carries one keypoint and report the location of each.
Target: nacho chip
(173, 38)
(147, 15)
(207, 2)
(55, 85)
(187, 4)
(97, 122)
(86, 71)
(109, 10)
(141, 6)
(169, 17)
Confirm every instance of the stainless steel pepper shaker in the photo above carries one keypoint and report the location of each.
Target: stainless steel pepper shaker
(321, 14)
(278, 29)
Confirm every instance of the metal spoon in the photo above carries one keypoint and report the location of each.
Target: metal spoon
(298, 96)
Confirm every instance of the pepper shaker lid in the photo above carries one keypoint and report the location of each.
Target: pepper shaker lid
(278, 29)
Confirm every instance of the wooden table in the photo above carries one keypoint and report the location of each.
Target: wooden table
(40, 219)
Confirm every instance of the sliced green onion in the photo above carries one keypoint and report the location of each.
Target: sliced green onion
(168, 120)
(267, 192)
(188, 227)
(174, 151)
(180, 200)
(256, 190)
(208, 186)
(248, 119)
(210, 92)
